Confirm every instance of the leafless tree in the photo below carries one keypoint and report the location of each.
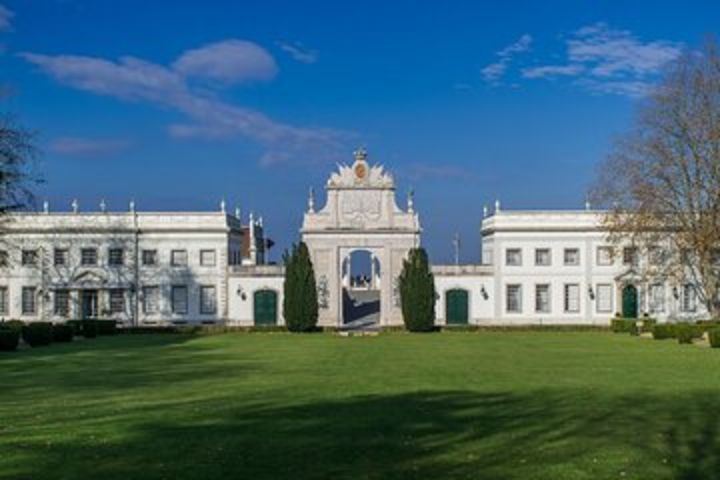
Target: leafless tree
(17, 151)
(662, 182)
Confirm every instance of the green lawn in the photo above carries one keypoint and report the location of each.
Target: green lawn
(504, 405)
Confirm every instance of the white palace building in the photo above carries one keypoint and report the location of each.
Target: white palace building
(172, 268)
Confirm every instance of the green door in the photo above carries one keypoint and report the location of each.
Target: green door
(265, 307)
(630, 302)
(456, 307)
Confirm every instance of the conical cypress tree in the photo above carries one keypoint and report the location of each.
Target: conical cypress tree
(300, 304)
(417, 292)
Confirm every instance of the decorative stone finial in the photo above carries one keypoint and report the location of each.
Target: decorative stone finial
(497, 206)
(251, 222)
(411, 201)
(260, 221)
(75, 205)
(222, 205)
(485, 211)
(311, 200)
(46, 206)
(237, 213)
(103, 206)
(587, 204)
(132, 206)
(360, 154)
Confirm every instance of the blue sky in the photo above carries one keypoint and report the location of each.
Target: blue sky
(180, 104)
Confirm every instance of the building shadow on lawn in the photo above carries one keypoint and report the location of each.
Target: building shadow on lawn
(423, 435)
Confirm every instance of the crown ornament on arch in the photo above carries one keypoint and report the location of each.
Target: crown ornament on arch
(361, 174)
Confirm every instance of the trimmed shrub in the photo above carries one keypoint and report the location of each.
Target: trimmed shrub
(37, 334)
(76, 325)
(62, 332)
(623, 325)
(106, 327)
(714, 337)
(16, 324)
(9, 338)
(417, 292)
(648, 324)
(89, 328)
(686, 332)
(663, 331)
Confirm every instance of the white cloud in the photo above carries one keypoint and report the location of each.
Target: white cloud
(298, 52)
(611, 52)
(210, 118)
(492, 72)
(552, 71)
(87, 146)
(6, 16)
(230, 61)
(610, 61)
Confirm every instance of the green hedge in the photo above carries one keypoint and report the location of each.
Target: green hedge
(664, 331)
(714, 337)
(16, 324)
(89, 328)
(37, 334)
(9, 338)
(62, 332)
(647, 324)
(623, 325)
(106, 327)
(686, 333)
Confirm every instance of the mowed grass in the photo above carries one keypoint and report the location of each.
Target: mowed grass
(504, 405)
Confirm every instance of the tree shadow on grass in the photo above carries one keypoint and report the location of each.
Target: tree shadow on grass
(424, 435)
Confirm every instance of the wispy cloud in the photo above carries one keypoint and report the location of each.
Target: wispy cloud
(172, 87)
(299, 52)
(231, 61)
(552, 71)
(6, 16)
(492, 72)
(607, 60)
(88, 147)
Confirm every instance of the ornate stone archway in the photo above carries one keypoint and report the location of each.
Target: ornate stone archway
(360, 213)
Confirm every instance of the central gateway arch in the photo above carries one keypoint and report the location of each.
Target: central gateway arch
(360, 214)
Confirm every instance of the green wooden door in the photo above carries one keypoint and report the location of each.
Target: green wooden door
(456, 307)
(265, 306)
(630, 302)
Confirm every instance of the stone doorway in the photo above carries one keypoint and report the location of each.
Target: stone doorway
(361, 279)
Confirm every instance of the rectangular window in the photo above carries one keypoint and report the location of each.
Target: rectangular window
(542, 256)
(604, 298)
(61, 304)
(657, 298)
(117, 300)
(116, 257)
(604, 256)
(4, 310)
(151, 299)
(179, 299)
(513, 298)
(88, 256)
(542, 298)
(3, 258)
(207, 258)
(630, 256)
(656, 256)
(571, 256)
(29, 258)
(60, 257)
(513, 257)
(28, 301)
(689, 298)
(572, 298)
(208, 301)
(149, 257)
(178, 258)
